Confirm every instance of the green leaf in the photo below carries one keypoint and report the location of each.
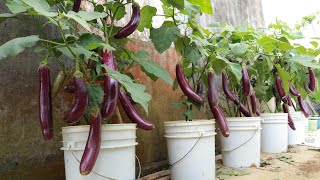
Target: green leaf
(136, 90)
(89, 16)
(314, 43)
(78, 19)
(239, 49)
(121, 10)
(236, 69)
(92, 41)
(146, 15)
(285, 78)
(16, 6)
(17, 45)
(193, 54)
(304, 60)
(95, 93)
(142, 54)
(192, 10)
(163, 37)
(41, 7)
(5, 16)
(267, 43)
(205, 5)
(157, 70)
(179, 4)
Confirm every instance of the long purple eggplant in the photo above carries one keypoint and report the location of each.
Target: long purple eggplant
(226, 89)
(213, 93)
(91, 151)
(132, 24)
(81, 101)
(244, 110)
(303, 107)
(290, 121)
(245, 81)
(220, 119)
(312, 77)
(293, 91)
(254, 104)
(111, 87)
(185, 87)
(133, 114)
(76, 5)
(281, 91)
(289, 101)
(45, 105)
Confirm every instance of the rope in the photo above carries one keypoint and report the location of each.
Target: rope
(188, 151)
(244, 142)
(140, 169)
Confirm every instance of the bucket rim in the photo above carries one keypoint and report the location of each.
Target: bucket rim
(105, 127)
(189, 123)
(273, 114)
(191, 136)
(105, 147)
(244, 119)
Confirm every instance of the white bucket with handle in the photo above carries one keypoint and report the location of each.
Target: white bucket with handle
(242, 147)
(116, 158)
(191, 149)
(274, 132)
(297, 136)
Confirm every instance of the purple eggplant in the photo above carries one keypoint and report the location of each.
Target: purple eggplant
(200, 89)
(111, 88)
(293, 91)
(133, 114)
(303, 107)
(245, 81)
(76, 5)
(213, 93)
(91, 151)
(312, 77)
(290, 121)
(132, 24)
(81, 101)
(220, 119)
(244, 110)
(185, 87)
(45, 105)
(254, 104)
(225, 86)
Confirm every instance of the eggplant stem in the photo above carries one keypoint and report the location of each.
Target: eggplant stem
(119, 118)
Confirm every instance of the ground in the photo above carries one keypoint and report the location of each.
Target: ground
(299, 163)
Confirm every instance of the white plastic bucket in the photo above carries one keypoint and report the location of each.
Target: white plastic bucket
(242, 147)
(191, 149)
(274, 132)
(116, 158)
(297, 136)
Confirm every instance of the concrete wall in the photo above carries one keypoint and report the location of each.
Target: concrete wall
(23, 153)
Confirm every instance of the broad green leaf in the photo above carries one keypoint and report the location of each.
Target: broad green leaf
(239, 49)
(192, 10)
(163, 37)
(95, 93)
(142, 54)
(267, 43)
(205, 5)
(314, 43)
(17, 45)
(147, 13)
(193, 54)
(41, 7)
(236, 69)
(16, 6)
(285, 78)
(121, 10)
(78, 19)
(137, 91)
(305, 60)
(78, 50)
(179, 4)
(92, 41)
(5, 16)
(89, 16)
(157, 70)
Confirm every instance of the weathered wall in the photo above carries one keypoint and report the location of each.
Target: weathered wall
(23, 153)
